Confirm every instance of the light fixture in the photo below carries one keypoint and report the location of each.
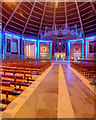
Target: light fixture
(62, 33)
(59, 43)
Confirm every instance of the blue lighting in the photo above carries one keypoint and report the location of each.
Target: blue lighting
(12, 35)
(86, 49)
(68, 50)
(0, 44)
(35, 49)
(75, 40)
(51, 51)
(22, 48)
(32, 39)
(16, 36)
(19, 47)
(8, 34)
(44, 41)
(37, 44)
(28, 39)
(82, 49)
(38, 49)
(69, 41)
(88, 38)
(4, 47)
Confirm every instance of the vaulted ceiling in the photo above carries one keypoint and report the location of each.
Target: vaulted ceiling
(28, 18)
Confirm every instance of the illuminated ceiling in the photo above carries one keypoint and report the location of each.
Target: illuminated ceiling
(28, 18)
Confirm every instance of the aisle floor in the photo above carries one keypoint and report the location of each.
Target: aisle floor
(61, 94)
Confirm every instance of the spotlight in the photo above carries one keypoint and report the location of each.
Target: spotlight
(59, 43)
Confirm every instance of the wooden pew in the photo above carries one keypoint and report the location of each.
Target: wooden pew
(13, 78)
(88, 68)
(7, 90)
(33, 65)
(5, 86)
(2, 106)
(15, 72)
(3, 83)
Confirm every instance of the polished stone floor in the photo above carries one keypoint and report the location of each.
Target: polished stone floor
(82, 98)
(61, 94)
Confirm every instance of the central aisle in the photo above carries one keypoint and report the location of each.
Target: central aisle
(45, 102)
(82, 98)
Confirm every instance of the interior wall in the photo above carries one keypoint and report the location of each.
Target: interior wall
(29, 50)
(76, 50)
(90, 55)
(44, 50)
(12, 46)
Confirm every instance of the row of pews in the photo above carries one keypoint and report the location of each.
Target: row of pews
(87, 68)
(16, 74)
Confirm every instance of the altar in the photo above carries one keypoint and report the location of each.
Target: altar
(59, 56)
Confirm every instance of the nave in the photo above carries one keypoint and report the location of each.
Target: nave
(48, 59)
(59, 92)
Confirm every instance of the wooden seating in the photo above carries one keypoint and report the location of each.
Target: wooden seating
(18, 73)
(2, 106)
(6, 89)
(13, 78)
(4, 83)
(5, 86)
(87, 68)
(14, 72)
(94, 81)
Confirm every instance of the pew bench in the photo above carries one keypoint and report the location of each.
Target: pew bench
(28, 68)
(7, 90)
(93, 81)
(2, 106)
(3, 83)
(15, 79)
(24, 73)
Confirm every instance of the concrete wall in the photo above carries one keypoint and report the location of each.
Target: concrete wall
(29, 50)
(44, 51)
(90, 55)
(9, 55)
(76, 50)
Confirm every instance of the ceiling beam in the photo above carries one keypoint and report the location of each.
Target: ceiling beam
(65, 13)
(77, 7)
(12, 15)
(34, 29)
(80, 18)
(92, 5)
(29, 17)
(54, 16)
(33, 25)
(42, 19)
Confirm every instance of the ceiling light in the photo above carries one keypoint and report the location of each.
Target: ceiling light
(59, 43)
